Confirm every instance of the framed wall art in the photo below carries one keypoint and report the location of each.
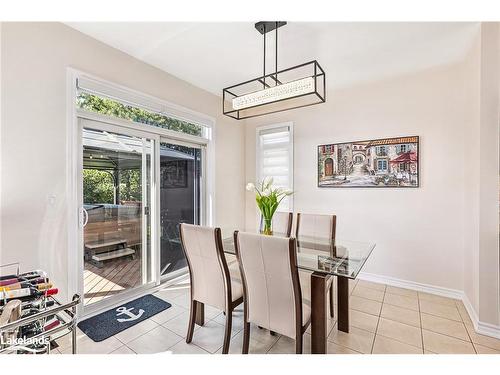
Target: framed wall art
(388, 162)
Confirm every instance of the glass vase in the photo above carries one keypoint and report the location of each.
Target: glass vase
(267, 226)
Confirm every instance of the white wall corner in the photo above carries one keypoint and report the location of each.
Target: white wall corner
(481, 328)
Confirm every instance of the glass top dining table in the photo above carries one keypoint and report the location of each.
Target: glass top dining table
(318, 254)
(324, 258)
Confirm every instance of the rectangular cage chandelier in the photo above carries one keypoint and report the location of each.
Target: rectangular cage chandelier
(299, 86)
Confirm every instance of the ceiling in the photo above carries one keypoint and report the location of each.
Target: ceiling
(215, 55)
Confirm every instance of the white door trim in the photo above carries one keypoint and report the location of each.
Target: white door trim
(74, 155)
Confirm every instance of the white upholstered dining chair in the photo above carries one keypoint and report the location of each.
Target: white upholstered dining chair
(271, 288)
(318, 226)
(282, 223)
(315, 225)
(213, 282)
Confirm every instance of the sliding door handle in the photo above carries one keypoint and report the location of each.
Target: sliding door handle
(84, 217)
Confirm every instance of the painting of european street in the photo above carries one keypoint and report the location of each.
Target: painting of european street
(389, 162)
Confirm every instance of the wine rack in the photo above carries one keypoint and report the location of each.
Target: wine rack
(40, 343)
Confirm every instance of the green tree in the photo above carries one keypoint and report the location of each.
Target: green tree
(130, 185)
(97, 186)
(114, 108)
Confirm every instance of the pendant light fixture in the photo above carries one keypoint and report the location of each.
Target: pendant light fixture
(299, 86)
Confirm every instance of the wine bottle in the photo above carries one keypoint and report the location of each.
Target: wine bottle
(8, 277)
(28, 275)
(43, 286)
(25, 294)
(36, 328)
(26, 284)
(51, 323)
(40, 304)
(30, 329)
(30, 311)
(33, 274)
(18, 285)
(23, 279)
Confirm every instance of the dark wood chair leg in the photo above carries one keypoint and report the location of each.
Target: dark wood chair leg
(298, 343)
(332, 313)
(246, 338)
(192, 319)
(200, 313)
(227, 332)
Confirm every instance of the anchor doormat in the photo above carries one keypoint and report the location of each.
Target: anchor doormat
(111, 322)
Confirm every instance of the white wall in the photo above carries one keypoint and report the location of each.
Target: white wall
(472, 183)
(1, 24)
(33, 144)
(489, 264)
(443, 234)
(418, 232)
(482, 258)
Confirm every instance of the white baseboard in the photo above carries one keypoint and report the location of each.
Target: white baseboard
(481, 328)
(440, 291)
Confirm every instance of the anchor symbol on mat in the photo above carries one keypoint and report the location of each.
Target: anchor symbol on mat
(131, 316)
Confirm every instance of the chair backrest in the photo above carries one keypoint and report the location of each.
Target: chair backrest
(282, 223)
(314, 225)
(271, 287)
(208, 270)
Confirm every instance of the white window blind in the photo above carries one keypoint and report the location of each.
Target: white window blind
(275, 158)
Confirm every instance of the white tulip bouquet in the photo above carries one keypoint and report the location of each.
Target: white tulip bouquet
(268, 200)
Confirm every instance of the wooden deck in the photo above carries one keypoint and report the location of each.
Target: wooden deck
(114, 277)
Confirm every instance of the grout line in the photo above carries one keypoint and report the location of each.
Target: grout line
(474, 346)
(438, 316)
(272, 346)
(402, 342)
(121, 340)
(401, 307)
(421, 326)
(133, 351)
(199, 347)
(378, 321)
(444, 334)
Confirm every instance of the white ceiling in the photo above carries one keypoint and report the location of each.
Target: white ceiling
(215, 55)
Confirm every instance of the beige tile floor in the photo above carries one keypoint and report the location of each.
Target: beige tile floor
(383, 320)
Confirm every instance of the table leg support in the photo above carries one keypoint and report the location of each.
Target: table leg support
(343, 303)
(200, 313)
(319, 314)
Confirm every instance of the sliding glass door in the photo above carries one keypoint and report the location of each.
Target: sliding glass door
(117, 171)
(181, 192)
(136, 188)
